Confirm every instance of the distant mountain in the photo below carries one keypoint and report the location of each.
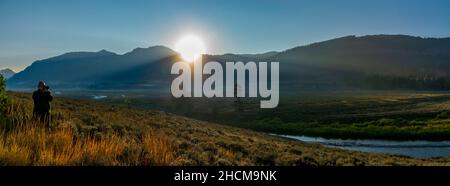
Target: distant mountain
(378, 54)
(367, 62)
(374, 62)
(7, 73)
(84, 69)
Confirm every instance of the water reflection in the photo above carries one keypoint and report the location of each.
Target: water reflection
(418, 149)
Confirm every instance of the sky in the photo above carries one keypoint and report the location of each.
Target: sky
(31, 30)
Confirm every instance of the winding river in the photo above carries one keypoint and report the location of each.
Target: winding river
(417, 149)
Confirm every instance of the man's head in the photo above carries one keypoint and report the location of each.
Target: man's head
(41, 85)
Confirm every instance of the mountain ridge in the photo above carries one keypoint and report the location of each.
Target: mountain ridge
(334, 63)
(7, 73)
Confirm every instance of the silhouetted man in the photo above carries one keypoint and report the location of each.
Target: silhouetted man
(42, 98)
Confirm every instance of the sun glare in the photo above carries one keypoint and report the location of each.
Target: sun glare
(190, 47)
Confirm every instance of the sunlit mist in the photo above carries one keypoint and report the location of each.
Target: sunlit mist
(190, 47)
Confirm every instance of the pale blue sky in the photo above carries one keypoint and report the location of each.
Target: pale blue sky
(32, 30)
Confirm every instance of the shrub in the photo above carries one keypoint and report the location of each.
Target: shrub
(442, 115)
(4, 99)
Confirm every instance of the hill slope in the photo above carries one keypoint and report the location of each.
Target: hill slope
(7, 73)
(368, 62)
(84, 69)
(127, 133)
(398, 55)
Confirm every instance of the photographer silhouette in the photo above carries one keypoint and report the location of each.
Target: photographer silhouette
(42, 98)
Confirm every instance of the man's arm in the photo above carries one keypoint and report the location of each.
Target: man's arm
(49, 96)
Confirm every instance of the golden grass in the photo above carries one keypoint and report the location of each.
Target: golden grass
(24, 141)
(159, 149)
(31, 144)
(93, 133)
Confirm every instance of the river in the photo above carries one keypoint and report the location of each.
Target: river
(417, 149)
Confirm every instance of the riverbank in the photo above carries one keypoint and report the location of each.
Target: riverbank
(415, 149)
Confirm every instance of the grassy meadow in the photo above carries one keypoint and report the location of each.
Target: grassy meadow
(394, 115)
(94, 133)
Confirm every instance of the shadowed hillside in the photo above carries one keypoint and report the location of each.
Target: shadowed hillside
(367, 62)
(86, 69)
(91, 133)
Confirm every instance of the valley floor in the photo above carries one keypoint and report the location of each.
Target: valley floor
(93, 133)
(389, 115)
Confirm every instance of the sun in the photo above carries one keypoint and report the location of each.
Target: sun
(190, 47)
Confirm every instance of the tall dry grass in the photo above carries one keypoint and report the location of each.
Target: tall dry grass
(35, 145)
(93, 133)
(24, 141)
(159, 149)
